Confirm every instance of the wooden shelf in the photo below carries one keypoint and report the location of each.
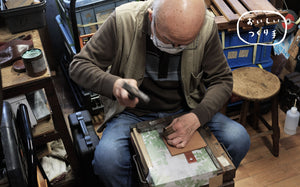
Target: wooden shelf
(15, 84)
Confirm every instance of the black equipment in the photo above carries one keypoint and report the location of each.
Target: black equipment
(85, 99)
(290, 91)
(85, 141)
(19, 160)
(15, 163)
(291, 18)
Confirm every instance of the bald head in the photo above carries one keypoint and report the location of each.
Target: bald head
(178, 20)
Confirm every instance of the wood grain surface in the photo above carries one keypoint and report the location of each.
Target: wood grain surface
(253, 83)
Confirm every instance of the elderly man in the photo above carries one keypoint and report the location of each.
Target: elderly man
(170, 50)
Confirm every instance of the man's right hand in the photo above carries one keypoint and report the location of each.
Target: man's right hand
(122, 95)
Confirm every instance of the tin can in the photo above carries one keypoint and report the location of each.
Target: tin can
(34, 62)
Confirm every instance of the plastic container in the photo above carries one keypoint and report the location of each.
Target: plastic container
(239, 54)
(231, 39)
(243, 56)
(34, 62)
(264, 53)
(25, 18)
(90, 14)
(291, 121)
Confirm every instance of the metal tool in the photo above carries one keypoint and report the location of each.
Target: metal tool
(167, 131)
(160, 125)
(133, 92)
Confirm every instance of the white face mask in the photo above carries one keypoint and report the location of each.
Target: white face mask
(168, 48)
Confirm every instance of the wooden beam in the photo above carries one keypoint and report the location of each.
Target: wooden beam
(237, 6)
(225, 10)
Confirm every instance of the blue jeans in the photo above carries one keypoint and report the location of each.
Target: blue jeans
(113, 161)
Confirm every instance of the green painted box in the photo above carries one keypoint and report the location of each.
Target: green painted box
(159, 168)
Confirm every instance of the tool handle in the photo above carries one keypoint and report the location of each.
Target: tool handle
(85, 132)
(133, 92)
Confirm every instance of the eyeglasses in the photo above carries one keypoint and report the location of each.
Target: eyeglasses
(171, 45)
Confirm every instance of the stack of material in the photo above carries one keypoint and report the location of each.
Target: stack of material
(18, 3)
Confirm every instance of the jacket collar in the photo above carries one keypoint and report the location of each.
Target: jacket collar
(146, 27)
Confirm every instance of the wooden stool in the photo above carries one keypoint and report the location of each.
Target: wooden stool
(256, 85)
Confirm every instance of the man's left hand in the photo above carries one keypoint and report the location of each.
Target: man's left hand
(184, 127)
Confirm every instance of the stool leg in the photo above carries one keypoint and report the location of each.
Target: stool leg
(244, 112)
(256, 114)
(275, 127)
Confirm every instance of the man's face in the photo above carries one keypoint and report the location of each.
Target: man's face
(162, 39)
(164, 36)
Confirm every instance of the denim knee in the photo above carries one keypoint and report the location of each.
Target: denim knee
(109, 159)
(101, 160)
(239, 147)
(232, 135)
(238, 144)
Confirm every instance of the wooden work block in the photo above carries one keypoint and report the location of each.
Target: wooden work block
(43, 128)
(39, 106)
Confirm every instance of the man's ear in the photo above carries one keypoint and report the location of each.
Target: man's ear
(150, 11)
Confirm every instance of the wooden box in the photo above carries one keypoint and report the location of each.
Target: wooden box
(156, 166)
(228, 12)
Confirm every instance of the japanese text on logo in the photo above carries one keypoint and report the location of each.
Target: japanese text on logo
(263, 30)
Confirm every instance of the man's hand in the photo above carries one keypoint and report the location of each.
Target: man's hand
(122, 95)
(184, 127)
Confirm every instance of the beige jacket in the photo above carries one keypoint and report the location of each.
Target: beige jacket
(120, 44)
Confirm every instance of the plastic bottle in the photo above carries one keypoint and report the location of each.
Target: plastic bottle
(291, 121)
